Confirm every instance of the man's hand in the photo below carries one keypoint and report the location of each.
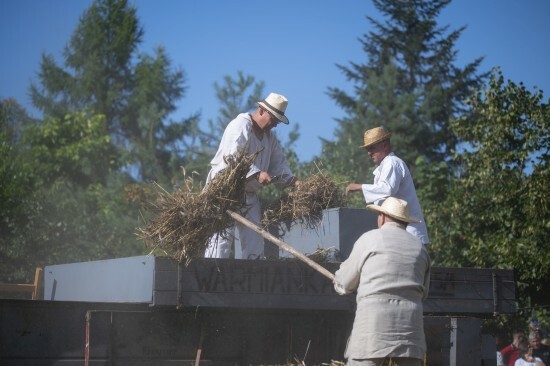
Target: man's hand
(353, 187)
(264, 178)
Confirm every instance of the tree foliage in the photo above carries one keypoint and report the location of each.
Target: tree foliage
(105, 125)
(409, 83)
(53, 209)
(497, 210)
(135, 92)
(16, 179)
(76, 146)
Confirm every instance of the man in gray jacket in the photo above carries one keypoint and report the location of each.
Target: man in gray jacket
(390, 270)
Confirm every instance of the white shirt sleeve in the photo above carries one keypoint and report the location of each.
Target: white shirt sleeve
(348, 276)
(387, 183)
(278, 165)
(235, 137)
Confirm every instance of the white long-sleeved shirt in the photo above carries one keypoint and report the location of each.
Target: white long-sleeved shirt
(270, 159)
(393, 178)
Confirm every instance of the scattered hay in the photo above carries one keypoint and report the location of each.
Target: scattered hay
(320, 256)
(183, 221)
(323, 255)
(305, 204)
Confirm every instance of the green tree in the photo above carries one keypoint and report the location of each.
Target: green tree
(105, 126)
(52, 210)
(65, 223)
(409, 83)
(135, 92)
(76, 146)
(235, 96)
(497, 211)
(158, 144)
(98, 60)
(16, 178)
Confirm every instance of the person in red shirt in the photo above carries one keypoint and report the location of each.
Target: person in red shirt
(510, 352)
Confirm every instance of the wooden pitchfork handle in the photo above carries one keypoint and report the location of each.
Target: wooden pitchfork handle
(281, 244)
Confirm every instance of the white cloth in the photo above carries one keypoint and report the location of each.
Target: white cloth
(522, 362)
(500, 359)
(390, 269)
(252, 245)
(393, 178)
(238, 134)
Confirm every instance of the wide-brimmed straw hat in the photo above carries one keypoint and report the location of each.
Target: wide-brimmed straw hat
(396, 208)
(375, 135)
(275, 104)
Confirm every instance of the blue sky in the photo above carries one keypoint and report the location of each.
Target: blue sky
(292, 45)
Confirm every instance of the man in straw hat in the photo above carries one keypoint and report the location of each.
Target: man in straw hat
(391, 178)
(390, 270)
(253, 132)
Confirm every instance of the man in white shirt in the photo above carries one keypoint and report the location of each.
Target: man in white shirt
(390, 270)
(253, 132)
(391, 178)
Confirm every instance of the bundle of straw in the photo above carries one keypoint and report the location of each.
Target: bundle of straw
(305, 204)
(182, 222)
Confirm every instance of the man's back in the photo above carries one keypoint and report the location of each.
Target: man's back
(396, 263)
(389, 268)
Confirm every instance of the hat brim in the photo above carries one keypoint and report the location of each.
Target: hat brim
(280, 117)
(380, 139)
(410, 220)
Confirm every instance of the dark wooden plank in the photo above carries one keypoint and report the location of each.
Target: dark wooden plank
(165, 280)
(165, 264)
(257, 301)
(469, 290)
(471, 307)
(335, 302)
(469, 274)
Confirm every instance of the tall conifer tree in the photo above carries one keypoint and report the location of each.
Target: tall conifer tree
(409, 83)
(135, 92)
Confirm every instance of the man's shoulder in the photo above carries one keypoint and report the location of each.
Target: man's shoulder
(369, 236)
(393, 159)
(242, 118)
(395, 162)
(241, 122)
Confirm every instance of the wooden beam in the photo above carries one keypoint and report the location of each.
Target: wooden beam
(16, 287)
(33, 288)
(37, 283)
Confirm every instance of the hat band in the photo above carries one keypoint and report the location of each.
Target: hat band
(275, 109)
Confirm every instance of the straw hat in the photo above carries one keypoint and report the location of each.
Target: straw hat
(375, 135)
(276, 104)
(396, 208)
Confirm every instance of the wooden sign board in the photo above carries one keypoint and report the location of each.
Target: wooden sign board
(290, 284)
